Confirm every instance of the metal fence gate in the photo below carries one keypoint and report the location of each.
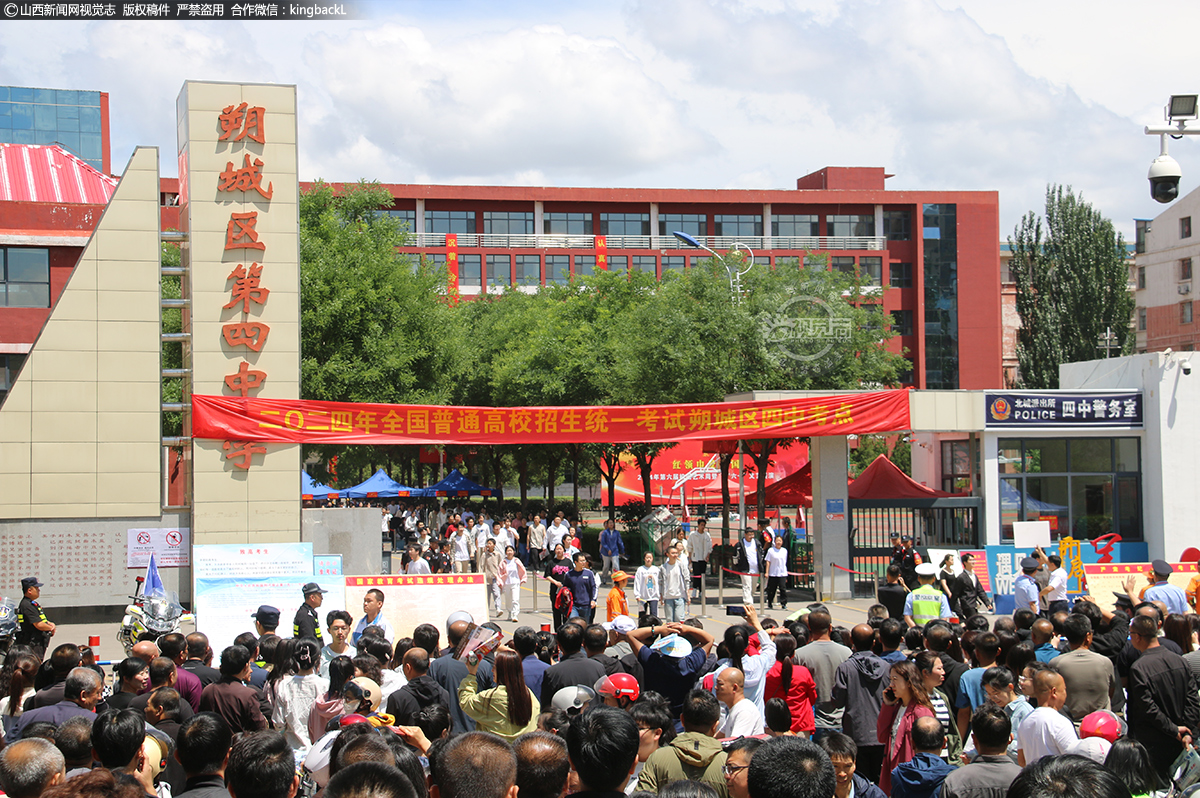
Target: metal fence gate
(951, 523)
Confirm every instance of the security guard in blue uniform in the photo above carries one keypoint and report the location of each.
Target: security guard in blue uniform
(35, 629)
(306, 623)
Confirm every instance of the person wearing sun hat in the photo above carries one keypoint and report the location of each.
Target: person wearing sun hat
(671, 662)
(617, 603)
(926, 602)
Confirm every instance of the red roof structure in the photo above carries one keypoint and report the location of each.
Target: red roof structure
(793, 490)
(883, 480)
(37, 173)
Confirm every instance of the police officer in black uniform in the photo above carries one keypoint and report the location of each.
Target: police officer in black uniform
(306, 623)
(907, 558)
(35, 629)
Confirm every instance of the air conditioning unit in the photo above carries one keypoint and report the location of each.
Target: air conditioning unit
(1185, 288)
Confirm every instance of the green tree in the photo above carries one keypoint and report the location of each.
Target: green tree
(375, 326)
(172, 353)
(1072, 283)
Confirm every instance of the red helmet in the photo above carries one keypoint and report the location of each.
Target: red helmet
(618, 685)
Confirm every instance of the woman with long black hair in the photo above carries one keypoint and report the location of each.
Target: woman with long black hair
(904, 700)
(793, 683)
(507, 710)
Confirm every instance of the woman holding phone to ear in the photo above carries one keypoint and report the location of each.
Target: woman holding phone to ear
(904, 700)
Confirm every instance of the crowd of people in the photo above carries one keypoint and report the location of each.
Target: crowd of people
(913, 703)
(1085, 702)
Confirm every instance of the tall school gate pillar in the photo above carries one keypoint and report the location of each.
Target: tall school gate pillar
(831, 512)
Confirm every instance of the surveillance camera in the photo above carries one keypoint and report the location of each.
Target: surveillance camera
(1187, 367)
(1164, 178)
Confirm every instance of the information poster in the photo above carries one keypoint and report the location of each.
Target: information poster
(409, 601)
(171, 547)
(1105, 579)
(235, 560)
(325, 565)
(224, 605)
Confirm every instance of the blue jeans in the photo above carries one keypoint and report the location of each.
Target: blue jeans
(676, 609)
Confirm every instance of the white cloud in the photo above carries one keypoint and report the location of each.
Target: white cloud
(575, 108)
(946, 94)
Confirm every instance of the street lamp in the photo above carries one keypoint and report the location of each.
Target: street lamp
(735, 276)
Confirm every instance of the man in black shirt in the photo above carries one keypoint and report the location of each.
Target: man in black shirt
(893, 592)
(35, 629)
(1163, 706)
(602, 745)
(306, 624)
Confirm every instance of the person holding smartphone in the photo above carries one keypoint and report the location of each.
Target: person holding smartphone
(904, 700)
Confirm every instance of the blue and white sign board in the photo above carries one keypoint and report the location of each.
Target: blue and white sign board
(1060, 409)
(257, 561)
(224, 605)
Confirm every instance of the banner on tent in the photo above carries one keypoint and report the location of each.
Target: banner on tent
(278, 420)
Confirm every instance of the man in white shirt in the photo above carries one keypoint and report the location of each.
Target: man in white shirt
(1045, 731)
(386, 517)
(463, 547)
(556, 532)
(743, 718)
(339, 623)
(749, 560)
(699, 549)
(416, 565)
(373, 609)
(482, 534)
(1055, 593)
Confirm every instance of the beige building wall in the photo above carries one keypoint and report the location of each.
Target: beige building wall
(80, 432)
(260, 503)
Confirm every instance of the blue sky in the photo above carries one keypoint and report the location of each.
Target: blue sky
(945, 94)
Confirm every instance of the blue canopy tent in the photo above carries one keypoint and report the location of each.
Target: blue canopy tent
(311, 489)
(456, 484)
(1010, 499)
(380, 485)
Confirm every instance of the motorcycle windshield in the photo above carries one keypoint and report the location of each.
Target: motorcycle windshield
(162, 612)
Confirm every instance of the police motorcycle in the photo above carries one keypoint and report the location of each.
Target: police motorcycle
(149, 616)
(8, 626)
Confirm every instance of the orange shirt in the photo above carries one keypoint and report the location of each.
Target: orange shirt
(1193, 592)
(617, 604)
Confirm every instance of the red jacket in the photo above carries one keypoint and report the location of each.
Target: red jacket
(904, 751)
(800, 695)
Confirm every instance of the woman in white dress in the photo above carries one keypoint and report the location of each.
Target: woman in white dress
(509, 576)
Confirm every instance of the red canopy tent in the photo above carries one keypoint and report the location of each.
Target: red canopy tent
(793, 490)
(883, 480)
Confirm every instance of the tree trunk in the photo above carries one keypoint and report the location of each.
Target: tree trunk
(523, 476)
(575, 480)
(726, 460)
(551, 480)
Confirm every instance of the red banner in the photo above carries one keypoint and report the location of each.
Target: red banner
(279, 420)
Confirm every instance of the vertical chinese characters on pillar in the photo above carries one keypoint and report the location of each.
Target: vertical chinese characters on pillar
(242, 123)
